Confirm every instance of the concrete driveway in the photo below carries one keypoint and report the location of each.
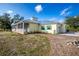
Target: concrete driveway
(71, 34)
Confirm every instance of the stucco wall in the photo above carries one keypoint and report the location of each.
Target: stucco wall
(61, 28)
(53, 29)
(33, 27)
(21, 31)
(36, 28)
(64, 28)
(18, 30)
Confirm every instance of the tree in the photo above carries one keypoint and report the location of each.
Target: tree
(5, 21)
(17, 18)
(72, 23)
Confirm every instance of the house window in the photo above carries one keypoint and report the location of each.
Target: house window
(20, 25)
(13, 27)
(48, 27)
(42, 28)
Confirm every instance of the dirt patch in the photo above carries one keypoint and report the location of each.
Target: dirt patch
(59, 45)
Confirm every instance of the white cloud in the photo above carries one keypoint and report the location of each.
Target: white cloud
(9, 11)
(38, 8)
(65, 11)
(6, 11)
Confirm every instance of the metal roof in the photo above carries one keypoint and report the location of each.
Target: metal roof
(37, 22)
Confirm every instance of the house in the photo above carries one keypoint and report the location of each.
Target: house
(53, 27)
(27, 26)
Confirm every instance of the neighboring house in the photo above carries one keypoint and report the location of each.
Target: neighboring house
(27, 26)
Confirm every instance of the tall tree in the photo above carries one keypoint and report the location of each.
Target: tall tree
(5, 21)
(72, 23)
(17, 18)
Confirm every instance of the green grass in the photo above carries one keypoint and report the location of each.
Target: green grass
(24, 45)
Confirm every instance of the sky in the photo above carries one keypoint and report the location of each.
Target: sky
(43, 11)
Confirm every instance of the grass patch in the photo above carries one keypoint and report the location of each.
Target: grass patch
(26, 45)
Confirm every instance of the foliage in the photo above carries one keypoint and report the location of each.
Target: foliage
(72, 23)
(6, 20)
(17, 18)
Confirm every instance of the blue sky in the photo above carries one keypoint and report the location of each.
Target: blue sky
(44, 11)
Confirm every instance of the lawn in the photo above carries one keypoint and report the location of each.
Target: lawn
(13, 44)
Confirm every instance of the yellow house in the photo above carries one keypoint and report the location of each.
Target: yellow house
(25, 26)
(28, 26)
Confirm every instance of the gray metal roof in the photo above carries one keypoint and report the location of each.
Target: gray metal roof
(37, 22)
(26, 21)
(49, 22)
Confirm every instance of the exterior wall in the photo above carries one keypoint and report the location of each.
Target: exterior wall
(64, 28)
(18, 30)
(33, 27)
(53, 29)
(61, 28)
(21, 31)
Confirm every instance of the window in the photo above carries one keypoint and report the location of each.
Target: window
(48, 27)
(20, 25)
(13, 26)
(42, 27)
(26, 25)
